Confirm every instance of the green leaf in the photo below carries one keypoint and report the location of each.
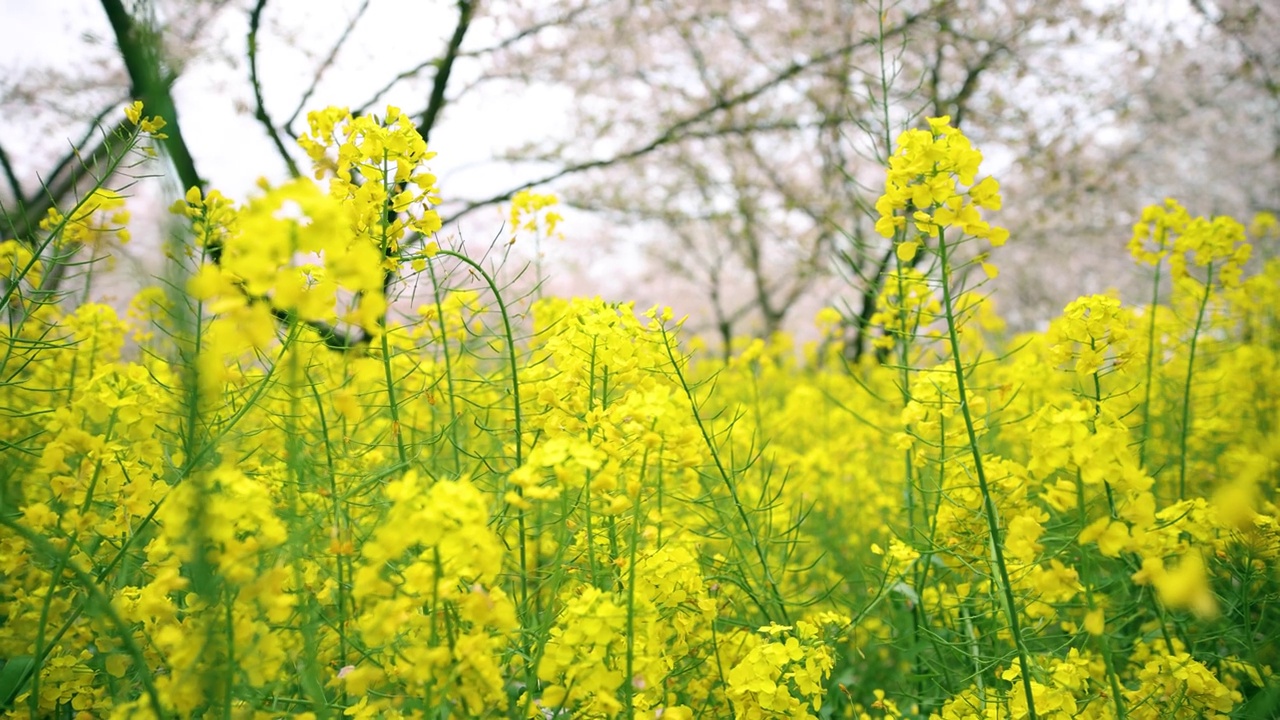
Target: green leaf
(13, 675)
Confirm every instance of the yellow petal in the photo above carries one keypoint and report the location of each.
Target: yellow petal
(1095, 622)
(907, 250)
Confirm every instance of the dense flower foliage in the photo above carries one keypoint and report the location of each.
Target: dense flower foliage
(498, 508)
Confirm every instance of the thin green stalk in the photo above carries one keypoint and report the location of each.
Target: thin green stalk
(975, 652)
(1246, 601)
(904, 344)
(307, 665)
(339, 527)
(1093, 430)
(715, 653)
(15, 281)
(1151, 362)
(989, 505)
(627, 685)
(392, 404)
(1186, 388)
(385, 241)
(1086, 567)
(506, 328)
(448, 370)
(229, 684)
(589, 531)
(525, 611)
(728, 481)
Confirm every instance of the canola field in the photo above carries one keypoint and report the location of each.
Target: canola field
(330, 468)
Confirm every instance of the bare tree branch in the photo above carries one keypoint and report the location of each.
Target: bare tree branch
(65, 176)
(681, 129)
(363, 108)
(75, 156)
(141, 54)
(531, 30)
(14, 185)
(436, 62)
(1257, 59)
(441, 82)
(260, 108)
(324, 67)
(960, 102)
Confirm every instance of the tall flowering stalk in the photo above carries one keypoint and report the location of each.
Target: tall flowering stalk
(1206, 257)
(930, 190)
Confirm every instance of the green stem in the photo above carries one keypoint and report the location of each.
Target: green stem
(1093, 430)
(397, 433)
(228, 688)
(392, 405)
(339, 526)
(989, 505)
(728, 482)
(525, 610)
(1186, 388)
(506, 328)
(448, 370)
(14, 284)
(627, 685)
(1085, 572)
(1151, 362)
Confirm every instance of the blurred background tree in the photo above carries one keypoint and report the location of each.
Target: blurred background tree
(722, 156)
